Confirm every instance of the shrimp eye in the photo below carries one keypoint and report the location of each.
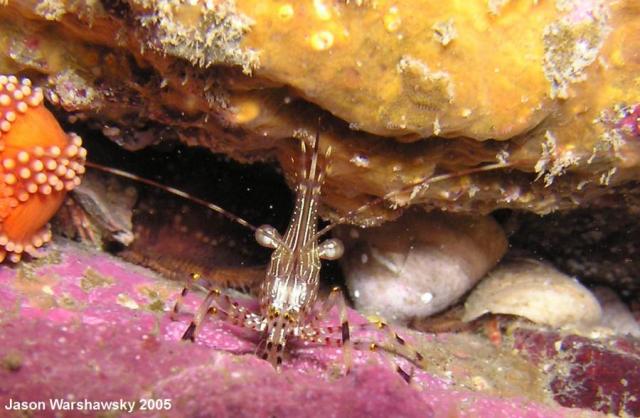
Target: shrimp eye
(267, 236)
(331, 249)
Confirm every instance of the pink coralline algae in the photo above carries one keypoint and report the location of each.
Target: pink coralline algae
(630, 122)
(622, 125)
(604, 376)
(80, 325)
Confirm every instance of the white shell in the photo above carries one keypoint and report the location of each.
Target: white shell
(536, 291)
(615, 313)
(420, 264)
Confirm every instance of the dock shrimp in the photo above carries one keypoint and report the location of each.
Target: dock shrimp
(289, 311)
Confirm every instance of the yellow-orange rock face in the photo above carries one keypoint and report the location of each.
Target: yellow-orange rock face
(416, 88)
(412, 68)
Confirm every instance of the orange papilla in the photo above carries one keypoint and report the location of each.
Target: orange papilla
(5, 199)
(37, 127)
(29, 217)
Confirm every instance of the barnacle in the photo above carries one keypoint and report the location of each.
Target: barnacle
(401, 279)
(536, 291)
(39, 163)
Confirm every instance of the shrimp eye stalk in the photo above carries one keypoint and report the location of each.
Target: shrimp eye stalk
(268, 236)
(331, 249)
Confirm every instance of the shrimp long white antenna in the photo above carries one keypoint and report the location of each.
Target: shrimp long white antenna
(424, 181)
(174, 191)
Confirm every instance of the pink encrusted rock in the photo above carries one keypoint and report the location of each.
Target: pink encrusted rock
(86, 326)
(585, 373)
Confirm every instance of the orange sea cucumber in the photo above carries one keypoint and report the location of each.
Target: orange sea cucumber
(39, 163)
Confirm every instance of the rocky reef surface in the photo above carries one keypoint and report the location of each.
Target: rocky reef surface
(500, 110)
(84, 325)
(548, 89)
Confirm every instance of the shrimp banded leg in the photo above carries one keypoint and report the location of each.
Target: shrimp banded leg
(198, 318)
(388, 344)
(177, 307)
(315, 333)
(218, 304)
